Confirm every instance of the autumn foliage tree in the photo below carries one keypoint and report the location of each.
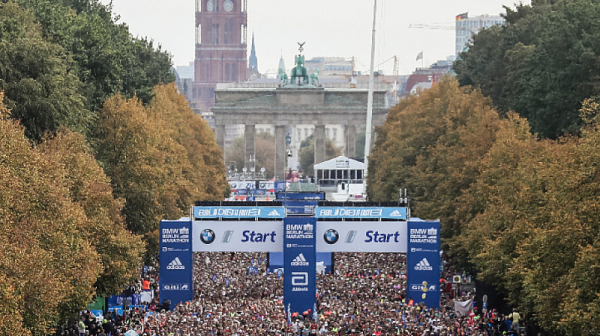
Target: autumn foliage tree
(160, 158)
(60, 231)
(431, 144)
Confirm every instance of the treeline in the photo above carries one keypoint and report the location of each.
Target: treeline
(507, 156)
(519, 211)
(96, 146)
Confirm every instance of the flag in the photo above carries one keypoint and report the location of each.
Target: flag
(214, 277)
(420, 56)
(462, 16)
(289, 313)
(226, 281)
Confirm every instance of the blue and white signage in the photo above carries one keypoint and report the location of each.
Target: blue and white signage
(176, 261)
(423, 259)
(398, 213)
(238, 236)
(239, 212)
(299, 259)
(361, 236)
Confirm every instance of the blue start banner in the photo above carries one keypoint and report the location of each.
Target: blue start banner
(398, 213)
(176, 262)
(299, 259)
(423, 261)
(239, 212)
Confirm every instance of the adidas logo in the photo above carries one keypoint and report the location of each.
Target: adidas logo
(274, 213)
(299, 261)
(175, 265)
(423, 265)
(395, 213)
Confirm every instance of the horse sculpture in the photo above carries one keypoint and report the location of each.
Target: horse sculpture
(283, 78)
(299, 73)
(314, 78)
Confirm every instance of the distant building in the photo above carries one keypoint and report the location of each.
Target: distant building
(221, 49)
(330, 66)
(253, 63)
(466, 27)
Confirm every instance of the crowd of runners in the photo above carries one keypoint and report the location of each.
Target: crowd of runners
(364, 295)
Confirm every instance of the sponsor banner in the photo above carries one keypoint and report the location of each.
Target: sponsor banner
(253, 192)
(361, 237)
(239, 212)
(324, 262)
(301, 195)
(398, 213)
(237, 236)
(176, 261)
(301, 207)
(423, 260)
(299, 259)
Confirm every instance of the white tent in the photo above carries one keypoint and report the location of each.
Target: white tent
(339, 169)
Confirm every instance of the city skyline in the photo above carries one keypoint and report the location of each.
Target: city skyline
(277, 27)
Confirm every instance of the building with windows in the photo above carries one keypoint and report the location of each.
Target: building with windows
(466, 27)
(221, 49)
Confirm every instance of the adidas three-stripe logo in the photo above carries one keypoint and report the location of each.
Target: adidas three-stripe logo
(423, 265)
(299, 261)
(175, 265)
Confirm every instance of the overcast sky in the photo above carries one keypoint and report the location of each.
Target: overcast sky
(329, 27)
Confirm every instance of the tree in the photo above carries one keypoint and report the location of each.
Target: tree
(542, 64)
(35, 75)
(48, 267)
(307, 153)
(160, 159)
(120, 251)
(107, 59)
(431, 144)
(264, 148)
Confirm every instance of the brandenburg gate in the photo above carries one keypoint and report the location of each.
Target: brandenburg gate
(299, 100)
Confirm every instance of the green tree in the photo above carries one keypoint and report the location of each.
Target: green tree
(542, 64)
(35, 75)
(108, 60)
(307, 153)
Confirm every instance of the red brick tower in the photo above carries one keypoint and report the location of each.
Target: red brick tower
(221, 48)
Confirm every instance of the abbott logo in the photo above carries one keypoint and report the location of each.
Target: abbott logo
(423, 265)
(175, 265)
(299, 278)
(299, 261)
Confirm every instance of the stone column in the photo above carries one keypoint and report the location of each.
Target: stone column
(249, 133)
(350, 140)
(280, 155)
(319, 143)
(220, 132)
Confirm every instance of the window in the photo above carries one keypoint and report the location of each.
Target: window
(198, 34)
(335, 134)
(299, 135)
(234, 76)
(227, 72)
(305, 133)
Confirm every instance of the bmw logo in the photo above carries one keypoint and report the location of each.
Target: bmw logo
(207, 236)
(331, 236)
